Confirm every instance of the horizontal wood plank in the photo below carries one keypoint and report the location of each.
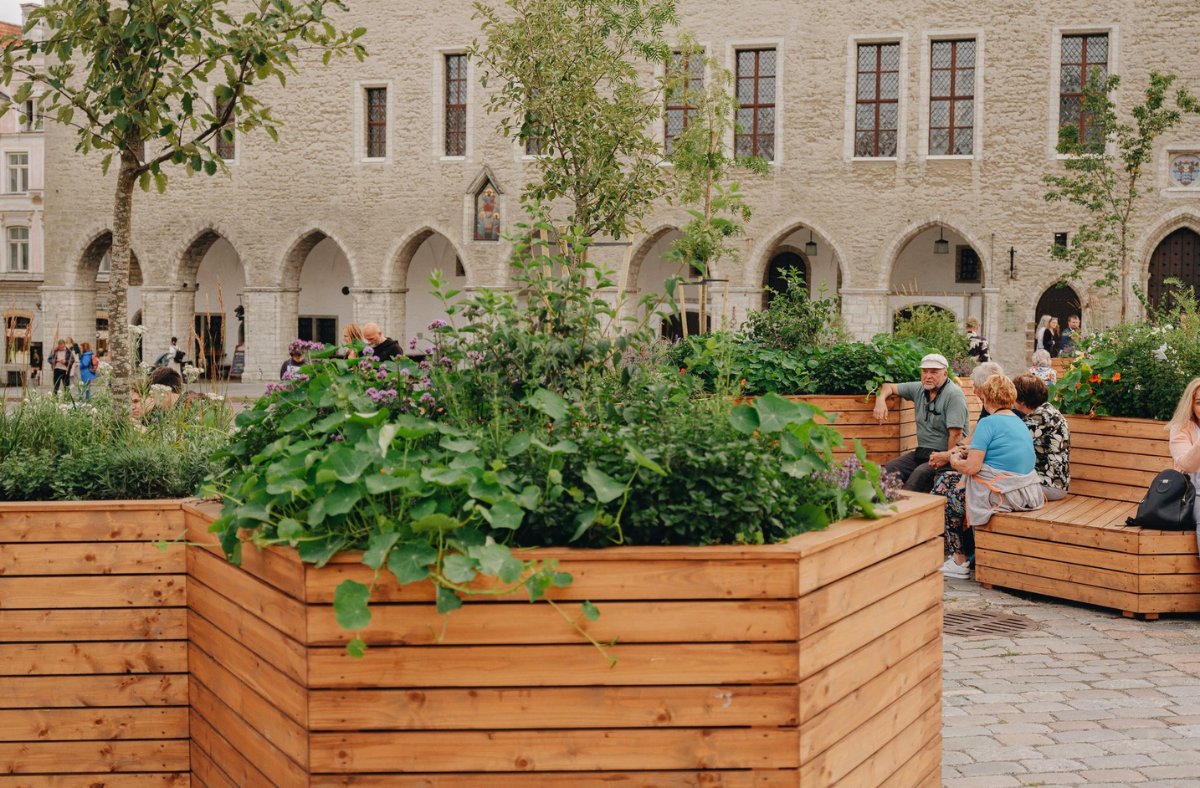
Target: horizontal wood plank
(540, 666)
(1047, 566)
(60, 757)
(46, 659)
(92, 724)
(74, 625)
(98, 591)
(234, 766)
(1087, 557)
(262, 601)
(910, 757)
(100, 780)
(523, 751)
(36, 692)
(91, 521)
(1103, 597)
(282, 652)
(554, 707)
(244, 735)
(709, 778)
(209, 644)
(96, 558)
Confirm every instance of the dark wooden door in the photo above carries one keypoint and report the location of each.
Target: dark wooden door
(1177, 257)
(775, 283)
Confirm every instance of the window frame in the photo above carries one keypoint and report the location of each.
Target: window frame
(8, 249)
(10, 168)
(757, 47)
(924, 129)
(437, 105)
(959, 250)
(1084, 75)
(851, 95)
(447, 106)
(686, 108)
(360, 121)
(218, 142)
(1055, 76)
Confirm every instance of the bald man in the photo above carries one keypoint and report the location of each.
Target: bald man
(384, 348)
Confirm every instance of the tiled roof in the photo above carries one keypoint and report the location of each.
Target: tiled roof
(8, 30)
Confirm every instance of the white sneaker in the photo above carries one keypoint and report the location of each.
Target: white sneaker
(959, 571)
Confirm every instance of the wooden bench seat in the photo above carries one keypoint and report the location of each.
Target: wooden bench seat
(1079, 548)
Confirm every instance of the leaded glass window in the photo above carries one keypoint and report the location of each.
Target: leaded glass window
(685, 81)
(376, 99)
(225, 146)
(1084, 58)
(756, 103)
(877, 110)
(456, 105)
(952, 98)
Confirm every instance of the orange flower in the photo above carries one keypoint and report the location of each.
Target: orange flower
(1090, 390)
(1116, 376)
(682, 370)
(1094, 379)
(743, 383)
(1077, 385)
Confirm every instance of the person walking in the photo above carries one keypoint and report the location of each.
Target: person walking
(88, 364)
(61, 362)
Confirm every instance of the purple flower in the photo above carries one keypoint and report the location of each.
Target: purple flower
(337, 436)
(435, 325)
(382, 396)
(382, 374)
(274, 387)
(412, 344)
(365, 365)
(405, 372)
(427, 399)
(304, 346)
(475, 356)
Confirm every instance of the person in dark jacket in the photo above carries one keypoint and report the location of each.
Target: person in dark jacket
(383, 348)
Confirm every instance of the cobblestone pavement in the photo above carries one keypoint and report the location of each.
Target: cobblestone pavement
(1086, 698)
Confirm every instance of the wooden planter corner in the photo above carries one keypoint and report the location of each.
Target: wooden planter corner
(813, 662)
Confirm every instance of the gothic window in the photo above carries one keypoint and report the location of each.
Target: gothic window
(456, 105)
(224, 145)
(756, 103)
(685, 80)
(376, 105)
(487, 213)
(1084, 59)
(877, 109)
(952, 98)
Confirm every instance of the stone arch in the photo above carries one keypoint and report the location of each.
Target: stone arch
(186, 259)
(637, 258)
(914, 229)
(795, 257)
(779, 236)
(396, 270)
(90, 254)
(1173, 222)
(417, 257)
(292, 266)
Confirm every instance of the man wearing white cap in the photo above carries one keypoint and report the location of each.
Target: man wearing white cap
(940, 409)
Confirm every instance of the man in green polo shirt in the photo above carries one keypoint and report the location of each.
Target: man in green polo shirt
(940, 410)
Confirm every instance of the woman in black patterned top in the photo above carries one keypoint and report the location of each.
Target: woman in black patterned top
(1051, 435)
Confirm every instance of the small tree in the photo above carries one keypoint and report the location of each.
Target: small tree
(152, 85)
(1106, 161)
(566, 78)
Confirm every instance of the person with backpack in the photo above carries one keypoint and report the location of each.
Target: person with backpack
(88, 365)
(61, 361)
(1184, 428)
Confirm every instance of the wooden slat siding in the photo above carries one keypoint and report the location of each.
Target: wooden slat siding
(1154, 542)
(245, 736)
(709, 778)
(833, 765)
(275, 567)
(279, 651)
(712, 706)
(1118, 562)
(1103, 597)
(1024, 525)
(38, 626)
(232, 764)
(93, 652)
(574, 665)
(261, 601)
(583, 750)
(73, 757)
(919, 742)
(206, 773)
(1169, 563)
(1039, 559)
(101, 780)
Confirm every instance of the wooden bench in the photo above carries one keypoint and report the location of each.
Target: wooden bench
(1079, 548)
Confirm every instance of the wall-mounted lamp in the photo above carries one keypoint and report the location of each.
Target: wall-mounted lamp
(941, 245)
(810, 248)
(1012, 262)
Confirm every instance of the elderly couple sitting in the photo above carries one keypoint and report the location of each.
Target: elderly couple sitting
(1017, 459)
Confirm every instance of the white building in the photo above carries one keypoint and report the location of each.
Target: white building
(891, 128)
(22, 262)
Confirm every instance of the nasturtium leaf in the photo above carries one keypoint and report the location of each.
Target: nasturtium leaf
(289, 529)
(380, 483)
(744, 419)
(377, 549)
(584, 521)
(458, 568)
(461, 445)
(356, 648)
(423, 508)
(410, 562)
(447, 601)
(350, 605)
(505, 514)
(296, 419)
(643, 461)
(529, 497)
(316, 512)
(590, 611)
(287, 486)
(549, 403)
(537, 584)
(411, 428)
(253, 511)
(561, 579)
(775, 412)
(319, 551)
(387, 433)
(435, 522)
(517, 444)
(348, 464)
(330, 422)
(802, 467)
(606, 487)
(447, 477)
(341, 499)
(487, 491)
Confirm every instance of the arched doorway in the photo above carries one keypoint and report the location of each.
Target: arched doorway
(431, 251)
(1176, 257)
(212, 274)
(1058, 300)
(653, 266)
(783, 262)
(95, 266)
(938, 267)
(317, 280)
(905, 313)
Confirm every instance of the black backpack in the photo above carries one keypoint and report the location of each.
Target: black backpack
(1168, 503)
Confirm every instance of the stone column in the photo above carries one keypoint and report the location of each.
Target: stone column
(733, 306)
(159, 320)
(382, 305)
(991, 314)
(266, 337)
(67, 312)
(866, 311)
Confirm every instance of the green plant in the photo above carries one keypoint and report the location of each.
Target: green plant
(155, 85)
(937, 330)
(793, 321)
(861, 367)
(1103, 172)
(531, 429)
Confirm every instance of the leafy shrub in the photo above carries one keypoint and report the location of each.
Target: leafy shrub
(792, 321)
(937, 330)
(861, 367)
(66, 449)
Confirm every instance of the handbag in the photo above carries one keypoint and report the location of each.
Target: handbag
(1168, 504)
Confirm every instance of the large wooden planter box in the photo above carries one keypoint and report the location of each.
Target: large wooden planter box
(93, 645)
(816, 662)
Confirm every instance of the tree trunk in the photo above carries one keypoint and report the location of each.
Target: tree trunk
(120, 351)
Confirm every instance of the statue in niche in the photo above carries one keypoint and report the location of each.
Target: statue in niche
(487, 216)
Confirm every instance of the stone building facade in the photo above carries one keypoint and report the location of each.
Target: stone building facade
(892, 128)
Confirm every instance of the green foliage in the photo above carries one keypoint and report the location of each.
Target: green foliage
(935, 329)
(861, 367)
(564, 74)
(535, 425)
(792, 321)
(53, 449)
(1135, 370)
(1103, 173)
(152, 85)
